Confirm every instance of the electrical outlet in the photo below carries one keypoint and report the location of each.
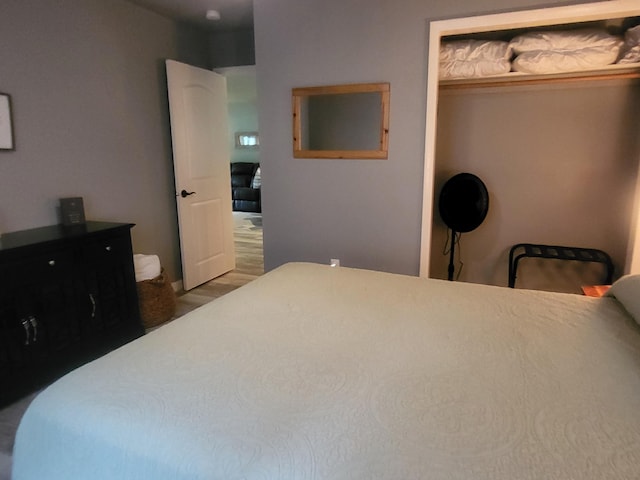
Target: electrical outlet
(335, 262)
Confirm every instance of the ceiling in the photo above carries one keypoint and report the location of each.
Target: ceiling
(234, 14)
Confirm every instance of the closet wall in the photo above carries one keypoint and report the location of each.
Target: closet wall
(560, 160)
(560, 164)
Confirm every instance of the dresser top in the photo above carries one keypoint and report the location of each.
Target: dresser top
(52, 233)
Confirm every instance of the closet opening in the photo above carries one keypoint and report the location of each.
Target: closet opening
(559, 153)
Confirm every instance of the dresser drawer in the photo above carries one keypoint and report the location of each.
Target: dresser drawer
(56, 263)
(107, 250)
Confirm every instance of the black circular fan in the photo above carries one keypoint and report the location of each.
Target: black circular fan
(464, 202)
(463, 205)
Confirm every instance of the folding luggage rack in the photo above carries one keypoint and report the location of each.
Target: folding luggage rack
(559, 253)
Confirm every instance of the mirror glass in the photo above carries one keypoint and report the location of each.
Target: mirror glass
(341, 121)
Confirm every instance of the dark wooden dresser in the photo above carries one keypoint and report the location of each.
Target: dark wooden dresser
(67, 296)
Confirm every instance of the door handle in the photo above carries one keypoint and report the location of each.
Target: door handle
(185, 194)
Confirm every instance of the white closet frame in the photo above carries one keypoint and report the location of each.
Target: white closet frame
(613, 9)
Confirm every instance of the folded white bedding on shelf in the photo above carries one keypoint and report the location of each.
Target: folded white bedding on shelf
(631, 47)
(539, 52)
(474, 58)
(564, 51)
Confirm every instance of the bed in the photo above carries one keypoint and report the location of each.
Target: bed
(314, 372)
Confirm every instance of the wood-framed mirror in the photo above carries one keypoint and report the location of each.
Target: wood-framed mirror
(341, 121)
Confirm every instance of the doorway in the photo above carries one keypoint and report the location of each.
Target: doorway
(242, 101)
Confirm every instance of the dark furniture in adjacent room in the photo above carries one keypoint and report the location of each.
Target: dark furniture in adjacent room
(245, 187)
(67, 296)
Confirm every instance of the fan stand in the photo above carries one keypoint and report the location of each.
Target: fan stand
(463, 205)
(451, 254)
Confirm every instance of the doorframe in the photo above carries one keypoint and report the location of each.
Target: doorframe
(241, 70)
(506, 21)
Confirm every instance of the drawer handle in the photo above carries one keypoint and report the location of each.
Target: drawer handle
(25, 325)
(52, 263)
(108, 248)
(34, 324)
(93, 305)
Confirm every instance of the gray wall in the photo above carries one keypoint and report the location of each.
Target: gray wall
(232, 48)
(365, 212)
(88, 87)
(90, 115)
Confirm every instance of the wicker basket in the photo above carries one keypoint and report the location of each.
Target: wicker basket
(157, 300)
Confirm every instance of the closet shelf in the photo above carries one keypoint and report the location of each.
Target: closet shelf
(628, 71)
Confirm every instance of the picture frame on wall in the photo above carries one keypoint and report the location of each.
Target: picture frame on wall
(7, 141)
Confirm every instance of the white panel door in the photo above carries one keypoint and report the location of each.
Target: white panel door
(199, 131)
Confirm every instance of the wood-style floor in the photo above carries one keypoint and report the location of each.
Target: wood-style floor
(249, 265)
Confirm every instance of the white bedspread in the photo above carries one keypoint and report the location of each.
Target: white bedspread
(313, 372)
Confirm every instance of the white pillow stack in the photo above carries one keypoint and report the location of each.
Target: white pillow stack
(474, 58)
(564, 51)
(631, 47)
